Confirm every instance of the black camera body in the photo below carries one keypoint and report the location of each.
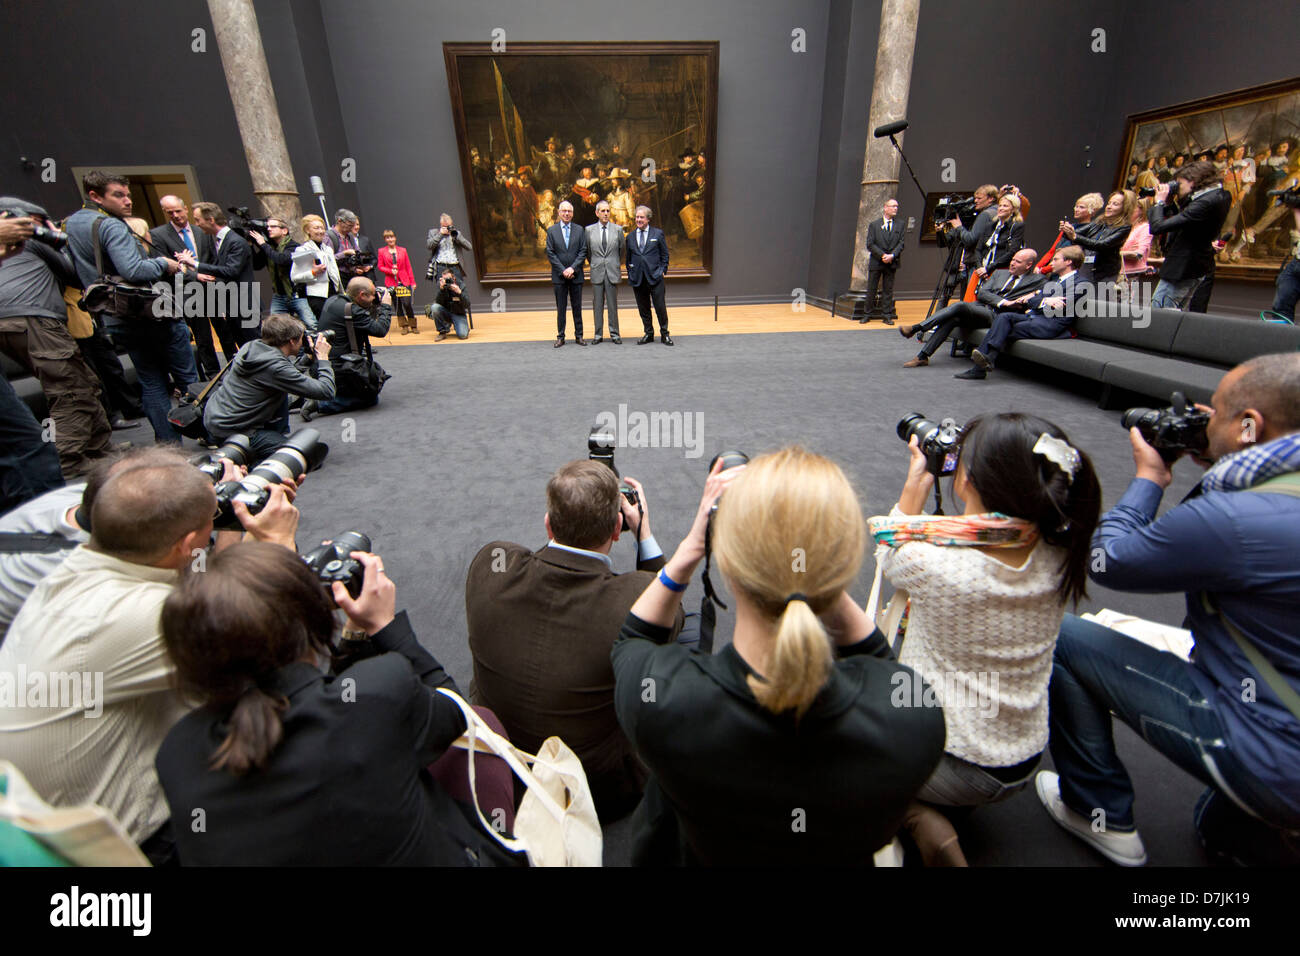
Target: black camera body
(952, 207)
(1146, 191)
(303, 451)
(937, 440)
(54, 238)
(235, 450)
(1173, 430)
(600, 447)
(334, 562)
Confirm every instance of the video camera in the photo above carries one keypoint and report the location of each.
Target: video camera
(303, 451)
(334, 562)
(1170, 431)
(242, 223)
(952, 207)
(937, 441)
(600, 447)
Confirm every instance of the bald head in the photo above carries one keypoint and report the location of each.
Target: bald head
(1270, 384)
(359, 284)
(148, 505)
(176, 211)
(1022, 262)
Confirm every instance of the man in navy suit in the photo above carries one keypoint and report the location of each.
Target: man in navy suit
(178, 235)
(1049, 313)
(232, 262)
(566, 247)
(885, 244)
(647, 261)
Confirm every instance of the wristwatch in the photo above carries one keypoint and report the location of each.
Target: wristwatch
(354, 634)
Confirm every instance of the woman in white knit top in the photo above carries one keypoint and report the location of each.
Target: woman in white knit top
(988, 590)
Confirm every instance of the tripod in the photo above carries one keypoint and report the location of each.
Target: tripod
(947, 278)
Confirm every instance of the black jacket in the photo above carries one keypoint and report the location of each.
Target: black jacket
(454, 302)
(1103, 243)
(880, 242)
(1187, 233)
(365, 323)
(735, 785)
(347, 785)
(166, 237)
(1010, 240)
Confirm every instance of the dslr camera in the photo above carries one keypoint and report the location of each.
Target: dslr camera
(17, 209)
(303, 451)
(600, 447)
(1170, 431)
(334, 562)
(937, 440)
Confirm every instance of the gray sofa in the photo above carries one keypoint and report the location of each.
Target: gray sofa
(1183, 351)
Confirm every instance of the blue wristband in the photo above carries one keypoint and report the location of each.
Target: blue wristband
(669, 583)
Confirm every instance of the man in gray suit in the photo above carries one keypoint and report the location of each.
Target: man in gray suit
(604, 252)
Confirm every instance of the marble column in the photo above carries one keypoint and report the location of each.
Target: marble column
(880, 167)
(234, 23)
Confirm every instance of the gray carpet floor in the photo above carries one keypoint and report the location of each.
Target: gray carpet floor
(459, 450)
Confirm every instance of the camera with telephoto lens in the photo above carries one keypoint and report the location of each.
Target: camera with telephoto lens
(1173, 430)
(235, 450)
(334, 562)
(730, 459)
(303, 451)
(600, 447)
(242, 223)
(937, 441)
(1287, 197)
(952, 207)
(13, 208)
(1146, 191)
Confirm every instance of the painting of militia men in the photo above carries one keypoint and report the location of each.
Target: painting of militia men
(628, 124)
(1253, 139)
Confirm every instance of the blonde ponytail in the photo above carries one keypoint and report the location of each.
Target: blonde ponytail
(799, 663)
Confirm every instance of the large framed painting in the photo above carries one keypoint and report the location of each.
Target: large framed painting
(633, 124)
(1253, 137)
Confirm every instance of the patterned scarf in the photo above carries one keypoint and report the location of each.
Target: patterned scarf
(1252, 465)
(981, 531)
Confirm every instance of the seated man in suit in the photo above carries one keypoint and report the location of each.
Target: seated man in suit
(542, 625)
(996, 294)
(178, 235)
(232, 262)
(1048, 314)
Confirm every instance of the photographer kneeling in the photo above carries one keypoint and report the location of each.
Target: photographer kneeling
(311, 769)
(1231, 715)
(785, 747)
(987, 590)
(353, 318)
(450, 307)
(253, 397)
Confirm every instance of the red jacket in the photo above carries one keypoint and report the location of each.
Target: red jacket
(399, 274)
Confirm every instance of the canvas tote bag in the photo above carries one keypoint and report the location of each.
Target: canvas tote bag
(556, 824)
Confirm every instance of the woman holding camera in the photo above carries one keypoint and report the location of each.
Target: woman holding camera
(1102, 238)
(285, 765)
(319, 279)
(988, 590)
(787, 747)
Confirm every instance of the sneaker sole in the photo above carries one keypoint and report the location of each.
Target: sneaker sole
(1115, 858)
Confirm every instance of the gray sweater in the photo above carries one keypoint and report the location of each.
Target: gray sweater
(250, 394)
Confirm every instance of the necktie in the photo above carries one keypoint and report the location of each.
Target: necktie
(603, 244)
(216, 244)
(886, 225)
(566, 234)
(189, 243)
(641, 239)
(1011, 284)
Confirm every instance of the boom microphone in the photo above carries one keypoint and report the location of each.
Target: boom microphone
(889, 129)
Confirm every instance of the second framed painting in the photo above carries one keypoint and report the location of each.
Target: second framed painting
(631, 124)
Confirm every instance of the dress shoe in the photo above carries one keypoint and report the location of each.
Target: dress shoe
(309, 410)
(440, 336)
(597, 340)
(559, 341)
(666, 339)
(616, 340)
(907, 331)
(982, 360)
(581, 341)
(119, 423)
(973, 374)
(918, 362)
(890, 320)
(645, 339)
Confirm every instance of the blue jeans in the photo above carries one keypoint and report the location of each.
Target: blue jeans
(444, 319)
(1173, 295)
(157, 348)
(1097, 671)
(1288, 289)
(29, 465)
(282, 304)
(343, 403)
(267, 438)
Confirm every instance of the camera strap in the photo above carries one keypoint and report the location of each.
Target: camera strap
(352, 336)
(708, 615)
(17, 542)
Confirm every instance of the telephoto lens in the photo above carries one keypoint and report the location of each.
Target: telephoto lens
(334, 562)
(730, 459)
(235, 450)
(303, 451)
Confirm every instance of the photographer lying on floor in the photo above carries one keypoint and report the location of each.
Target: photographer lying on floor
(1230, 716)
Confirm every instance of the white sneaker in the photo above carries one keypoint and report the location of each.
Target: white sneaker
(1125, 849)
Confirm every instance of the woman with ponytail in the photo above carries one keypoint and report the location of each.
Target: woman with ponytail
(285, 765)
(988, 590)
(787, 747)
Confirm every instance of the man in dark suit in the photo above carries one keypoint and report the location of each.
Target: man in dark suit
(1187, 231)
(177, 235)
(542, 624)
(647, 261)
(1048, 314)
(885, 246)
(997, 293)
(566, 248)
(348, 243)
(240, 318)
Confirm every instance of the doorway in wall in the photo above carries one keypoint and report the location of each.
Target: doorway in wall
(149, 184)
